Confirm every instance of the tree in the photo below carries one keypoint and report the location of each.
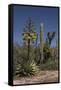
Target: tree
(50, 37)
(29, 35)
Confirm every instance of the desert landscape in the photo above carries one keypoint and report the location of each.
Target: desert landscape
(35, 46)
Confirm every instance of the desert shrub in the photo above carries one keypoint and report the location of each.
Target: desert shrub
(19, 57)
(46, 52)
(49, 65)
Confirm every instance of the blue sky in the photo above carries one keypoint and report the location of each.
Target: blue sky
(48, 16)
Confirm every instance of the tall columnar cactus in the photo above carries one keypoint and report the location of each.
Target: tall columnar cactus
(41, 42)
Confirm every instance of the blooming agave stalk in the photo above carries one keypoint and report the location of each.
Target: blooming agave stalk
(29, 36)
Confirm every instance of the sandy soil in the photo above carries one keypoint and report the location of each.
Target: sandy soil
(42, 77)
